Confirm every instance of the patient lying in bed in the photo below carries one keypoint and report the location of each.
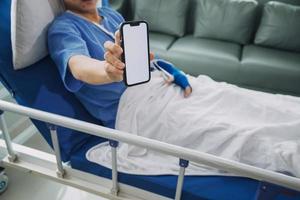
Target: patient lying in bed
(251, 127)
(87, 53)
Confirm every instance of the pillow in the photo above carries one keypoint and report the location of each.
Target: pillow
(164, 16)
(229, 20)
(279, 27)
(29, 23)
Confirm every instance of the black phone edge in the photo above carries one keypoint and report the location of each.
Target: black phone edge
(123, 54)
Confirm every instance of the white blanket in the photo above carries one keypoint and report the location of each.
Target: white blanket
(251, 127)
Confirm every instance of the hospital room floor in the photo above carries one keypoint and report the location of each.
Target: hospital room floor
(24, 186)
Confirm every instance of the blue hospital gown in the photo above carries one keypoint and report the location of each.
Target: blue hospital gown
(71, 35)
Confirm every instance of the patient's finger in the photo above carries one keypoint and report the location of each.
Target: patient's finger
(113, 48)
(170, 79)
(118, 38)
(152, 56)
(110, 58)
(110, 69)
(188, 91)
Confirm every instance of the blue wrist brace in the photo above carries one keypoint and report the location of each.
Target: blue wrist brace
(179, 78)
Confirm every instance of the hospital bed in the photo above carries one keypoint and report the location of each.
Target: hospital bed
(71, 132)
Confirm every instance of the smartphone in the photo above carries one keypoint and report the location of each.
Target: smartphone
(135, 44)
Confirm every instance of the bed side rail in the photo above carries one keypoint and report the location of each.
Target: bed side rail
(184, 155)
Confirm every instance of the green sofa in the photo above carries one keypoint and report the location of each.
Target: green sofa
(244, 63)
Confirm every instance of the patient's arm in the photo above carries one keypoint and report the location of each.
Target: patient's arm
(177, 76)
(94, 71)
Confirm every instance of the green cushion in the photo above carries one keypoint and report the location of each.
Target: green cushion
(230, 20)
(164, 16)
(160, 41)
(217, 59)
(270, 69)
(280, 27)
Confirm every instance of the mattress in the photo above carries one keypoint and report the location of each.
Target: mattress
(195, 187)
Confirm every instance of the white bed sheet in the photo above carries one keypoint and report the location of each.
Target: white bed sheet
(251, 127)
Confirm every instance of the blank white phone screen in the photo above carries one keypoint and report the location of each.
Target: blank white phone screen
(135, 39)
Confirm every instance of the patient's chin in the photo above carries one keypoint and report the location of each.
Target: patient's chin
(88, 5)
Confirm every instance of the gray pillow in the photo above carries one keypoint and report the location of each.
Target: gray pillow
(229, 20)
(165, 16)
(279, 27)
(29, 22)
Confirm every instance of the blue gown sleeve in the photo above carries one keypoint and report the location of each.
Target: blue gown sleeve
(180, 78)
(64, 41)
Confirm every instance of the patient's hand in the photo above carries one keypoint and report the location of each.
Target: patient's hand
(115, 67)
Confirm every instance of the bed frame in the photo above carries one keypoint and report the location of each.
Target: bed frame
(51, 166)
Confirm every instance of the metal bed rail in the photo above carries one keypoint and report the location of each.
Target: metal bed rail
(184, 155)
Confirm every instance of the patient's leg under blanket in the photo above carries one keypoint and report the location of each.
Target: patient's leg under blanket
(251, 127)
